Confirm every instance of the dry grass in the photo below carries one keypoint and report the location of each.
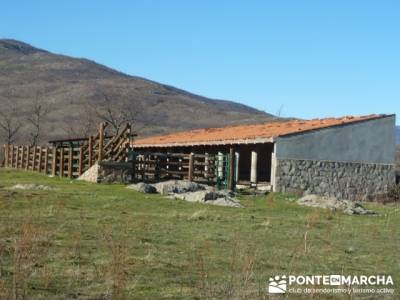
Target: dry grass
(88, 241)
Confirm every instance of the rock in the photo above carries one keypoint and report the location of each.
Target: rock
(143, 188)
(179, 187)
(189, 191)
(332, 203)
(31, 186)
(209, 197)
(91, 174)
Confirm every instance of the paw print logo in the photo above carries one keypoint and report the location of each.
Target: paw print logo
(277, 285)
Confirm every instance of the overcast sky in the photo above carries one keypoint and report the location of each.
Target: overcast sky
(303, 59)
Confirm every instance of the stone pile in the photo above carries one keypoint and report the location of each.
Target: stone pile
(189, 191)
(334, 204)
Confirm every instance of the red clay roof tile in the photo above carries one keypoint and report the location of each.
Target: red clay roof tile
(247, 132)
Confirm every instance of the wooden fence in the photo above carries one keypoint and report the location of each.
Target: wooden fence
(210, 168)
(72, 161)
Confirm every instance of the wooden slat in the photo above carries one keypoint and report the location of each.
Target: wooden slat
(70, 161)
(80, 168)
(54, 162)
(22, 157)
(101, 142)
(46, 160)
(34, 158)
(40, 160)
(6, 147)
(61, 162)
(27, 157)
(12, 156)
(90, 151)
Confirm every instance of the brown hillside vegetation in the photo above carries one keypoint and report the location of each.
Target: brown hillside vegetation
(67, 96)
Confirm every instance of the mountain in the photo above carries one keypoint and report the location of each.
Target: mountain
(72, 88)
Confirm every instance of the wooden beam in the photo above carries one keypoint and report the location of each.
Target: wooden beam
(70, 161)
(90, 151)
(12, 156)
(46, 160)
(27, 157)
(34, 158)
(40, 159)
(101, 142)
(61, 162)
(21, 159)
(54, 162)
(191, 167)
(81, 158)
(6, 148)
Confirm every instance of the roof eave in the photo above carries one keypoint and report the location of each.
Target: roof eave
(209, 143)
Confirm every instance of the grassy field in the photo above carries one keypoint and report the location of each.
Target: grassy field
(88, 241)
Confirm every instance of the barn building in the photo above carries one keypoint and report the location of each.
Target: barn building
(349, 157)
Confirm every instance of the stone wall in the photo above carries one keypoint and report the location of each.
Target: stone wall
(343, 180)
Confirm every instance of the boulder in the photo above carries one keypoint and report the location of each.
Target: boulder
(179, 187)
(334, 204)
(209, 197)
(143, 188)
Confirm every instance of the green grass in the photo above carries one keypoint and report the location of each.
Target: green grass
(89, 241)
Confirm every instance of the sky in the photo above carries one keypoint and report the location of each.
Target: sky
(306, 59)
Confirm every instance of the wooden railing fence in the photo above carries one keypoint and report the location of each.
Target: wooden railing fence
(211, 168)
(69, 161)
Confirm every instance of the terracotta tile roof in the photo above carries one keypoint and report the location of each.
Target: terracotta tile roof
(247, 133)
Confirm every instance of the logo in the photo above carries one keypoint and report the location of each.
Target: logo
(325, 284)
(277, 285)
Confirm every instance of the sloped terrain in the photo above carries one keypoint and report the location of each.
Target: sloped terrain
(71, 88)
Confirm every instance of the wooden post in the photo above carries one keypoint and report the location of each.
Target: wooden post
(27, 157)
(61, 162)
(80, 170)
(34, 158)
(21, 159)
(231, 183)
(46, 160)
(12, 156)
(253, 171)
(54, 162)
(6, 148)
(70, 161)
(40, 159)
(191, 166)
(16, 156)
(90, 151)
(101, 142)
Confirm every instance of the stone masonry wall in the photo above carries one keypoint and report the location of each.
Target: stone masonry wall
(343, 180)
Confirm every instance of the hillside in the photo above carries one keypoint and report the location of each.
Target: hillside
(71, 89)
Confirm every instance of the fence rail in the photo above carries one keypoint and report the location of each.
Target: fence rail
(216, 168)
(69, 161)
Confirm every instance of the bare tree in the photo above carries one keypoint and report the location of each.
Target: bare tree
(38, 114)
(86, 125)
(10, 124)
(115, 114)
